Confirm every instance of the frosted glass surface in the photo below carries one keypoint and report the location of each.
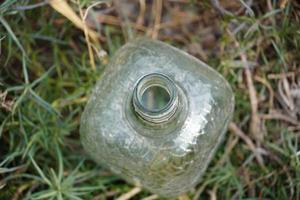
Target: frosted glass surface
(166, 159)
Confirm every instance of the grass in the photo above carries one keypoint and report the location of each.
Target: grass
(46, 78)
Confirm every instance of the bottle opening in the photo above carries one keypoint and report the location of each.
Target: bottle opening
(155, 98)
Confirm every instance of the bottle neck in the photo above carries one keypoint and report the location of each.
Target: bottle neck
(155, 98)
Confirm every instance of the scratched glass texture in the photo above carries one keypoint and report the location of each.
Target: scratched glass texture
(165, 158)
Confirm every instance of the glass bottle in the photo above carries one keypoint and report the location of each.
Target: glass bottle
(156, 117)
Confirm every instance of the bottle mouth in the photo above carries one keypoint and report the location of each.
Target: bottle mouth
(155, 98)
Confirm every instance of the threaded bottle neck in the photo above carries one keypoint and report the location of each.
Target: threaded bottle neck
(155, 98)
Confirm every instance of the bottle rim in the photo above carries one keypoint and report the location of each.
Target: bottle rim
(160, 115)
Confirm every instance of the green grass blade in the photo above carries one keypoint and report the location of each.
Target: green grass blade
(40, 171)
